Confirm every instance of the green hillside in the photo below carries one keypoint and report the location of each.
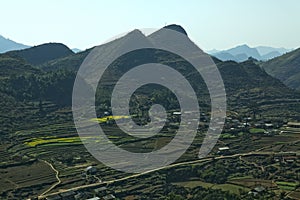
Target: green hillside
(286, 68)
(10, 66)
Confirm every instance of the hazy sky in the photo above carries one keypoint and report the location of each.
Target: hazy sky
(211, 24)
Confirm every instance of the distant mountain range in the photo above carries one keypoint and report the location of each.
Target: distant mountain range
(56, 56)
(9, 45)
(243, 52)
(239, 53)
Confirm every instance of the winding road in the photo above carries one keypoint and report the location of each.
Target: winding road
(56, 175)
(44, 195)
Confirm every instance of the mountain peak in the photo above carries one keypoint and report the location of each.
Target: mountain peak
(176, 27)
(244, 46)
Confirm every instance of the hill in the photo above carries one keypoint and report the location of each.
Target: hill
(9, 45)
(42, 53)
(286, 68)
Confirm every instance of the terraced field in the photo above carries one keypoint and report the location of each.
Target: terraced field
(36, 175)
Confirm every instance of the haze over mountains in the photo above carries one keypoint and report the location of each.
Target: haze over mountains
(239, 53)
(9, 45)
(243, 52)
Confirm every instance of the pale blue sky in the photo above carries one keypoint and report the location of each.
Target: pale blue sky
(211, 24)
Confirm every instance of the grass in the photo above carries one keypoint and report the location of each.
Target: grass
(45, 140)
(256, 130)
(251, 182)
(286, 185)
(192, 184)
(231, 188)
(227, 135)
(54, 141)
(240, 177)
(225, 187)
(108, 118)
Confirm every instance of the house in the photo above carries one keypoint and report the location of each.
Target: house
(258, 125)
(90, 170)
(109, 197)
(223, 150)
(289, 159)
(269, 126)
(94, 198)
(293, 124)
(79, 196)
(54, 197)
(257, 190)
(68, 195)
(277, 159)
(100, 191)
(176, 113)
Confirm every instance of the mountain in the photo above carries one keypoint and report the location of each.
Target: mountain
(9, 45)
(71, 62)
(264, 50)
(42, 53)
(244, 49)
(243, 52)
(270, 55)
(213, 51)
(239, 54)
(286, 68)
(225, 56)
(245, 81)
(75, 50)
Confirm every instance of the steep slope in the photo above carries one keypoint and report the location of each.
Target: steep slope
(247, 77)
(9, 45)
(286, 68)
(71, 62)
(42, 53)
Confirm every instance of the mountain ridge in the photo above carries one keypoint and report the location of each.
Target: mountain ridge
(42, 53)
